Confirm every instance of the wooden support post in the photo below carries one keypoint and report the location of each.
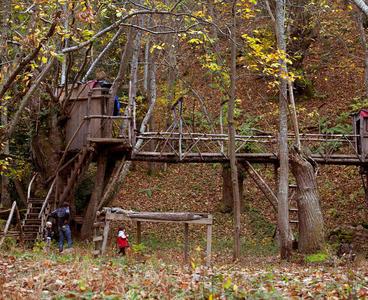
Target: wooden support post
(209, 245)
(139, 232)
(20, 225)
(88, 113)
(180, 128)
(105, 237)
(186, 243)
(7, 225)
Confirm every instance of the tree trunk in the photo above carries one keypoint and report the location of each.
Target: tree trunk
(283, 207)
(5, 8)
(231, 130)
(89, 217)
(363, 40)
(311, 233)
(227, 191)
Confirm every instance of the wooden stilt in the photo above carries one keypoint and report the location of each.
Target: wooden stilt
(105, 237)
(186, 243)
(19, 225)
(139, 232)
(209, 244)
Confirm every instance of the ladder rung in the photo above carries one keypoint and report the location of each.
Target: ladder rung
(293, 209)
(294, 221)
(98, 224)
(98, 238)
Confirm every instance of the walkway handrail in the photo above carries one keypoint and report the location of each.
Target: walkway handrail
(30, 186)
(8, 222)
(47, 198)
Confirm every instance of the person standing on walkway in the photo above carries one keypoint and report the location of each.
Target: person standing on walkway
(62, 216)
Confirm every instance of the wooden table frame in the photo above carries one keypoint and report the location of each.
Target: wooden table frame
(101, 240)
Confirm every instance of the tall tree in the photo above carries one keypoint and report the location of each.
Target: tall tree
(283, 183)
(5, 10)
(231, 131)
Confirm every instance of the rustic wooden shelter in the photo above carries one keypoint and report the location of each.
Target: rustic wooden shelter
(108, 215)
(87, 103)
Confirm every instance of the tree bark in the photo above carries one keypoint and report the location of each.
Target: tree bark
(283, 184)
(231, 130)
(5, 8)
(227, 190)
(89, 217)
(311, 232)
(363, 40)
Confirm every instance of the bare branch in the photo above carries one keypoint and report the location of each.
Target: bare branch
(26, 98)
(102, 53)
(362, 5)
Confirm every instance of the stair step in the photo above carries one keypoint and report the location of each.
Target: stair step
(98, 238)
(293, 209)
(34, 210)
(294, 221)
(32, 215)
(32, 222)
(36, 200)
(31, 228)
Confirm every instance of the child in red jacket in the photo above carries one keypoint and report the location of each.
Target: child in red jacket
(122, 241)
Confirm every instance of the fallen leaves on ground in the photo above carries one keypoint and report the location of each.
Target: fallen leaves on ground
(29, 275)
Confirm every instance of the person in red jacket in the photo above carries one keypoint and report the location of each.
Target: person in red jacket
(122, 241)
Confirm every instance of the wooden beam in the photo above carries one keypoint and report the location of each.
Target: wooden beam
(120, 217)
(105, 237)
(263, 158)
(19, 224)
(186, 243)
(209, 245)
(139, 232)
(262, 185)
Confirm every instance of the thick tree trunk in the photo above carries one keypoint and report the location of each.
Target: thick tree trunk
(89, 217)
(283, 207)
(363, 40)
(5, 8)
(227, 189)
(311, 233)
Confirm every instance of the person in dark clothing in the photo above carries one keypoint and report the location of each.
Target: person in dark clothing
(48, 234)
(62, 216)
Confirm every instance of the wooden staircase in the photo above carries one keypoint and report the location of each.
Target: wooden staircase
(38, 209)
(32, 223)
(75, 170)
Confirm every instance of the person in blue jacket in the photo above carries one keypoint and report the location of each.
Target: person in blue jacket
(62, 216)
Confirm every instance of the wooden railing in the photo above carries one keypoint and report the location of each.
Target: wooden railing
(14, 209)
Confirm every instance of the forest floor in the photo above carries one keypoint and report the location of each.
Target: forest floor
(162, 275)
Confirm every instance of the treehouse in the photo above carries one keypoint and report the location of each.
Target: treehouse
(360, 131)
(88, 106)
(92, 134)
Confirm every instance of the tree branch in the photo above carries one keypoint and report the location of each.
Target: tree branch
(27, 96)
(362, 5)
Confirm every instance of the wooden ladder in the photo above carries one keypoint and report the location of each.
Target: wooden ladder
(293, 208)
(77, 169)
